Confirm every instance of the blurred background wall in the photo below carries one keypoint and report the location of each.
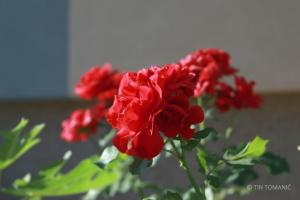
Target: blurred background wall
(45, 45)
(34, 50)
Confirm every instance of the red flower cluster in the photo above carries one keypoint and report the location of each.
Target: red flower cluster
(151, 101)
(82, 124)
(242, 96)
(210, 67)
(156, 100)
(100, 83)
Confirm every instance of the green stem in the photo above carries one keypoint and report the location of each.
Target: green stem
(202, 125)
(200, 103)
(182, 159)
(219, 164)
(141, 193)
(139, 187)
(0, 178)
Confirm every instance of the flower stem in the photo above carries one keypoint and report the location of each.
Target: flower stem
(186, 168)
(200, 103)
(0, 178)
(219, 164)
(139, 188)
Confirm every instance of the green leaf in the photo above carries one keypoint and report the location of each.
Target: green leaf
(245, 176)
(256, 148)
(91, 195)
(139, 165)
(209, 195)
(155, 160)
(122, 185)
(241, 161)
(172, 195)
(126, 183)
(190, 144)
(152, 197)
(190, 195)
(228, 132)
(252, 151)
(210, 113)
(213, 181)
(14, 145)
(201, 158)
(82, 178)
(274, 163)
(109, 154)
(207, 132)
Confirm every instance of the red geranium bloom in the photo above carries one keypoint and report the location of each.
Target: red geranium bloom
(82, 124)
(99, 82)
(244, 95)
(151, 101)
(209, 65)
(224, 97)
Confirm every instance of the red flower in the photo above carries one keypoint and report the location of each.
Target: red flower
(151, 101)
(99, 82)
(244, 95)
(82, 124)
(224, 97)
(144, 144)
(209, 65)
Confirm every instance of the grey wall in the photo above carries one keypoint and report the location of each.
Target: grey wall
(33, 48)
(262, 36)
(277, 121)
(45, 45)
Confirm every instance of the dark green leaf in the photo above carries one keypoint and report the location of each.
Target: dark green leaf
(246, 175)
(139, 165)
(213, 181)
(190, 144)
(276, 164)
(238, 174)
(207, 132)
(172, 195)
(190, 195)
